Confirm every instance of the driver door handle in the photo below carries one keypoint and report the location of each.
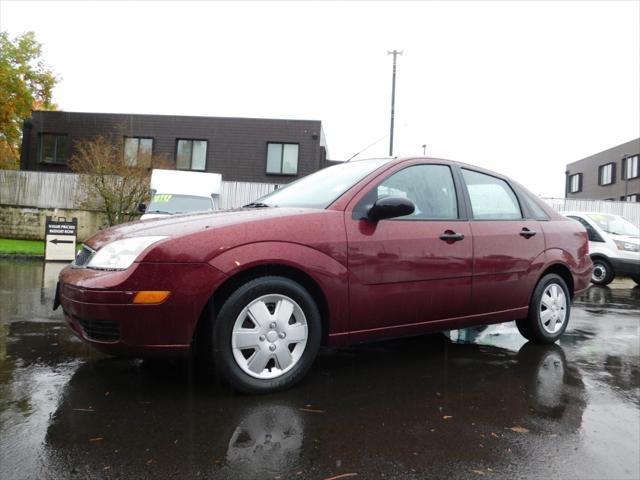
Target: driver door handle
(526, 233)
(450, 236)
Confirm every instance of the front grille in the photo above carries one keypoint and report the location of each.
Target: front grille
(83, 256)
(100, 330)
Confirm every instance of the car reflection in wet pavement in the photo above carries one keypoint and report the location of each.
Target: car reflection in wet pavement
(472, 403)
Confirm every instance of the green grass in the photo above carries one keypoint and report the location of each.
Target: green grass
(10, 246)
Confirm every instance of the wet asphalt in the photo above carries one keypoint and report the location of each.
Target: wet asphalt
(476, 403)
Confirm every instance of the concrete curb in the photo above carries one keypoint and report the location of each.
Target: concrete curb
(20, 256)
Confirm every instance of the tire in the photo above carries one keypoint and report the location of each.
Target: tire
(602, 273)
(550, 295)
(265, 315)
(524, 328)
(636, 278)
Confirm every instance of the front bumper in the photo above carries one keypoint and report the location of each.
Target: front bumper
(98, 306)
(625, 266)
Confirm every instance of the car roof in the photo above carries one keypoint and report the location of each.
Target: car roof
(397, 160)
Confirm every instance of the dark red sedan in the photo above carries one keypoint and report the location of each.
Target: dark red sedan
(362, 251)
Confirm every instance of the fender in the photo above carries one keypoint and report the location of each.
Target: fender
(580, 269)
(328, 273)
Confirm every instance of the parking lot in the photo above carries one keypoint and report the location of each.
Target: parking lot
(475, 403)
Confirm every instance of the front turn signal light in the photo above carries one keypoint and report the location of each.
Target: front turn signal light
(151, 296)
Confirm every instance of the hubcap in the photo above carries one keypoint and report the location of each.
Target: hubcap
(269, 336)
(599, 272)
(553, 308)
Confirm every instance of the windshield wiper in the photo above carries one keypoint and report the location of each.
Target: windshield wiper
(256, 205)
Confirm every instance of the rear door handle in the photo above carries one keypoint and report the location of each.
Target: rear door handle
(450, 236)
(526, 233)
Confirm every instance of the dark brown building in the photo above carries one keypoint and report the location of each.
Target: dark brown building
(241, 149)
(610, 175)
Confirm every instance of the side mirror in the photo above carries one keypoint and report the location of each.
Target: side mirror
(390, 207)
(142, 208)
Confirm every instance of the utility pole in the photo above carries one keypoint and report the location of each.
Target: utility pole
(395, 53)
(624, 173)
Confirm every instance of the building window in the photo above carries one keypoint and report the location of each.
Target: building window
(282, 158)
(631, 198)
(630, 168)
(191, 155)
(137, 151)
(53, 148)
(575, 183)
(606, 175)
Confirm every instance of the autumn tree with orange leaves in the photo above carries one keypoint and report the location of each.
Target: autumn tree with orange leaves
(26, 84)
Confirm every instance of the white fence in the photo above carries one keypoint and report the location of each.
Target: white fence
(63, 190)
(39, 189)
(236, 194)
(628, 210)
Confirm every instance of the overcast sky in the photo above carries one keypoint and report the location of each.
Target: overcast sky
(521, 88)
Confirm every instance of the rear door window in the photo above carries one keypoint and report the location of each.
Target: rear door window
(536, 210)
(491, 198)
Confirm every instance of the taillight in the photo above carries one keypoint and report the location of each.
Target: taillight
(587, 242)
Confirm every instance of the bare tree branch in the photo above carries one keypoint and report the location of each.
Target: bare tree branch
(112, 186)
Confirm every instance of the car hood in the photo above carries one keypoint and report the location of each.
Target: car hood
(175, 226)
(625, 238)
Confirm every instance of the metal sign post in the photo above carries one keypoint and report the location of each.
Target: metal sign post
(60, 239)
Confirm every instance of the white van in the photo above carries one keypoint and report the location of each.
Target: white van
(614, 246)
(176, 191)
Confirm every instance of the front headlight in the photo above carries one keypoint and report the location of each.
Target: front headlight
(119, 255)
(627, 246)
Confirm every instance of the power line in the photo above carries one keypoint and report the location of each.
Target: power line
(368, 146)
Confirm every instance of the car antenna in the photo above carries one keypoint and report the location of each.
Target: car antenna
(367, 147)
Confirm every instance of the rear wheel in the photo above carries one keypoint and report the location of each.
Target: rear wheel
(636, 278)
(266, 335)
(548, 311)
(602, 273)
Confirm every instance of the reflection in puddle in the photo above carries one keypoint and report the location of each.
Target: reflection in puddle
(268, 438)
(550, 378)
(51, 272)
(502, 335)
(424, 406)
(599, 299)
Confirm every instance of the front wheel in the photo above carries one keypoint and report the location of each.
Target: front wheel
(548, 311)
(266, 335)
(602, 273)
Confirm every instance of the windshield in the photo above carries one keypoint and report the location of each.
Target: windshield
(321, 188)
(614, 224)
(171, 204)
